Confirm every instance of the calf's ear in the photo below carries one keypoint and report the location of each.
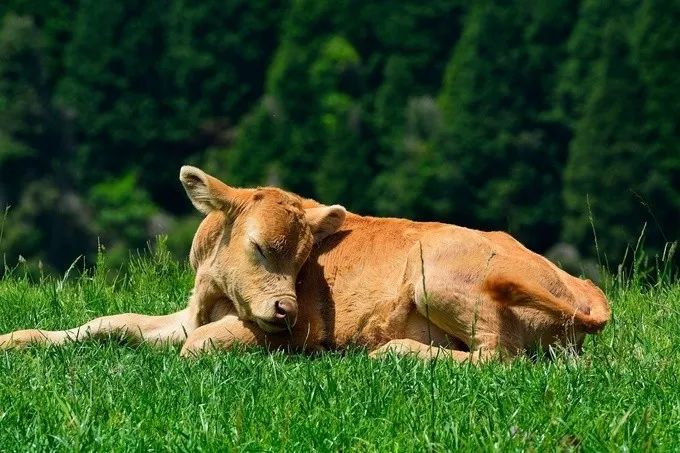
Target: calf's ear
(325, 220)
(208, 193)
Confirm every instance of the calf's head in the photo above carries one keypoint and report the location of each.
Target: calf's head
(261, 240)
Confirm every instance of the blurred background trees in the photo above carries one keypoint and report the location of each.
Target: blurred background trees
(527, 117)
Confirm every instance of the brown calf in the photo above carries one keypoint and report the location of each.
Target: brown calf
(277, 270)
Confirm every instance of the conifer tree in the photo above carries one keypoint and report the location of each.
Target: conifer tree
(624, 157)
(657, 48)
(497, 163)
(607, 162)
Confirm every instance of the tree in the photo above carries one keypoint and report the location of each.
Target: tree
(53, 19)
(656, 45)
(114, 84)
(485, 114)
(217, 56)
(343, 174)
(624, 155)
(26, 111)
(283, 131)
(330, 117)
(607, 163)
(34, 143)
(154, 83)
(496, 163)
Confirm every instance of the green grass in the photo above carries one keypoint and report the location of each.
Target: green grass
(622, 393)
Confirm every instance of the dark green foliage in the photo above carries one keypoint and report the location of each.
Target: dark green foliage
(305, 73)
(336, 92)
(33, 130)
(124, 209)
(49, 221)
(624, 157)
(152, 85)
(22, 107)
(584, 49)
(217, 56)
(606, 154)
(116, 86)
(657, 47)
(493, 158)
(54, 19)
(53, 238)
(486, 114)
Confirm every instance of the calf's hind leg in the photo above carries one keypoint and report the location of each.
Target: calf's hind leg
(450, 298)
(407, 346)
(172, 328)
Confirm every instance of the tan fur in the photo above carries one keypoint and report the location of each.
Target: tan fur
(429, 289)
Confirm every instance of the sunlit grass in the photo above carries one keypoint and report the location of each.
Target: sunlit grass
(623, 392)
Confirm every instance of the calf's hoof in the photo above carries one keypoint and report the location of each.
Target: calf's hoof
(21, 338)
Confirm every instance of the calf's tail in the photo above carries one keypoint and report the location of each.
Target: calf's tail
(589, 315)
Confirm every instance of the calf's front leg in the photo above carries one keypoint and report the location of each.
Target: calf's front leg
(229, 331)
(172, 328)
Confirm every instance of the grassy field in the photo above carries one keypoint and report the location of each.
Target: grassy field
(623, 393)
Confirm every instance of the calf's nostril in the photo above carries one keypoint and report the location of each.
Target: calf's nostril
(285, 309)
(280, 308)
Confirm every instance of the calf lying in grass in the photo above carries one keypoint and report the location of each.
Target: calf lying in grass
(277, 270)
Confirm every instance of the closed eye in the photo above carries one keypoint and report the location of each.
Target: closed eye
(259, 250)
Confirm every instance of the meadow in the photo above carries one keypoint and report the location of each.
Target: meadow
(622, 393)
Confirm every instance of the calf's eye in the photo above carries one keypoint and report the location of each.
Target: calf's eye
(259, 250)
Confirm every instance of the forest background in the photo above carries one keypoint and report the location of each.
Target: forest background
(556, 121)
